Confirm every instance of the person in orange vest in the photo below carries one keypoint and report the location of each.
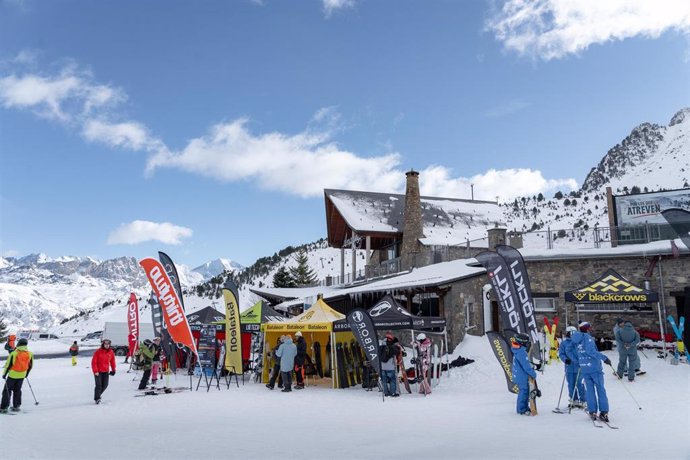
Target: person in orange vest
(74, 351)
(17, 368)
(9, 345)
(102, 362)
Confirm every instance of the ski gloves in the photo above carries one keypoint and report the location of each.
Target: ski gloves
(112, 372)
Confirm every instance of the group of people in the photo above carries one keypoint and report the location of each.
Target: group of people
(583, 368)
(288, 357)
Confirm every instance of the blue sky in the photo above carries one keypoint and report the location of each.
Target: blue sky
(209, 129)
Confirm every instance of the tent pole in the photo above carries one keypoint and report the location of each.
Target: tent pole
(445, 335)
(334, 371)
(661, 328)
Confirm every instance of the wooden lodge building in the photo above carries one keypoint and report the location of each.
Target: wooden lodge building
(420, 250)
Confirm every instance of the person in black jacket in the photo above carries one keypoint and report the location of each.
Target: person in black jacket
(300, 360)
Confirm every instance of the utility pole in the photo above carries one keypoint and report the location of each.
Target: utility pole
(472, 189)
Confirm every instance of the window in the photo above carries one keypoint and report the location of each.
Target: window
(545, 304)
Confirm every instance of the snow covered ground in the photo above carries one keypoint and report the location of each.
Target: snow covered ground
(470, 415)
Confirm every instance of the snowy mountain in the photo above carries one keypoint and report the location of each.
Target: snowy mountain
(651, 158)
(216, 267)
(37, 291)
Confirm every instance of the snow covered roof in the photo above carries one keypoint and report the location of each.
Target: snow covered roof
(446, 221)
(282, 294)
(431, 275)
(627, 250)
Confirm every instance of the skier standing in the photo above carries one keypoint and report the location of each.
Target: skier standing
(149, 349)
(9, 345)
(568, 354)
(287, 352)
(17, 367)
(522, 370)
(423, 347)
(275, 371)
(300, 359)
(619, 344)
(628, 357)
(74, 351)
(590, 360)
(388, 352)
(102, 362)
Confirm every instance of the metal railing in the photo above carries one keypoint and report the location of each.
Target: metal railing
(580, 237)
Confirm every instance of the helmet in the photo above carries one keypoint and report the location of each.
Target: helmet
(585, 326)
(22, 342)
(298, 334)
(421, 337)
(389, 336)
(521, 339)
(569, 330)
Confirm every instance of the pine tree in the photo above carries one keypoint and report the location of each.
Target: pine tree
(283, 279)
(302, 275)
(3, 331)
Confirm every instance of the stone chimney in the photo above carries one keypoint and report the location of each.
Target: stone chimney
(413, 229)
(515, 239)
(497, 235)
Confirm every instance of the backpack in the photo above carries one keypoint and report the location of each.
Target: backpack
(385, 353)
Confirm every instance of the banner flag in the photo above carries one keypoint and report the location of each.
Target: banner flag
(363, 328)
(504, 355)
(170, 269)
(156, 315)
(679, 220)
(499, 274)
(133, 324)
(233, 342)
(175, 320)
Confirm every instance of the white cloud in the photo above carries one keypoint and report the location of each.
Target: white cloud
(331, 6)
(505, 183)
(131, 135)
(551, 29)
(64, 97)
(140, 231)
(301, 164)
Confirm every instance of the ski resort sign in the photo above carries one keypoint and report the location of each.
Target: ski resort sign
(646, 208)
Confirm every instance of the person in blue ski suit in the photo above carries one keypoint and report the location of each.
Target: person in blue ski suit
(521, 371)
(590, 360)
(568, 354)
(629, 360)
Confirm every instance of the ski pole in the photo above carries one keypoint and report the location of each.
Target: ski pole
(558, 406)
(628, 390)
(32, 390)
(572, 396)
(643, 353)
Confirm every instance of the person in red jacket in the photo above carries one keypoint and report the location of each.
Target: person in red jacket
(102, 362)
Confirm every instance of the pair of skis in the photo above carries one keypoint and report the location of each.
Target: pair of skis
(599, 423)
(551, 341)
(160, 391)
(680, 346)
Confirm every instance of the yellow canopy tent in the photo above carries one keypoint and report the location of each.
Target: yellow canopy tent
(315, 324)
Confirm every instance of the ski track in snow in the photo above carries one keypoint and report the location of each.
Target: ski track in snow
(470, 415)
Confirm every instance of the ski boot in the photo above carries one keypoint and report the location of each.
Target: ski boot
(268, 385)
(3, 411)
(604, 416)
(98, 401)
(14, 409)
(593, 416)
